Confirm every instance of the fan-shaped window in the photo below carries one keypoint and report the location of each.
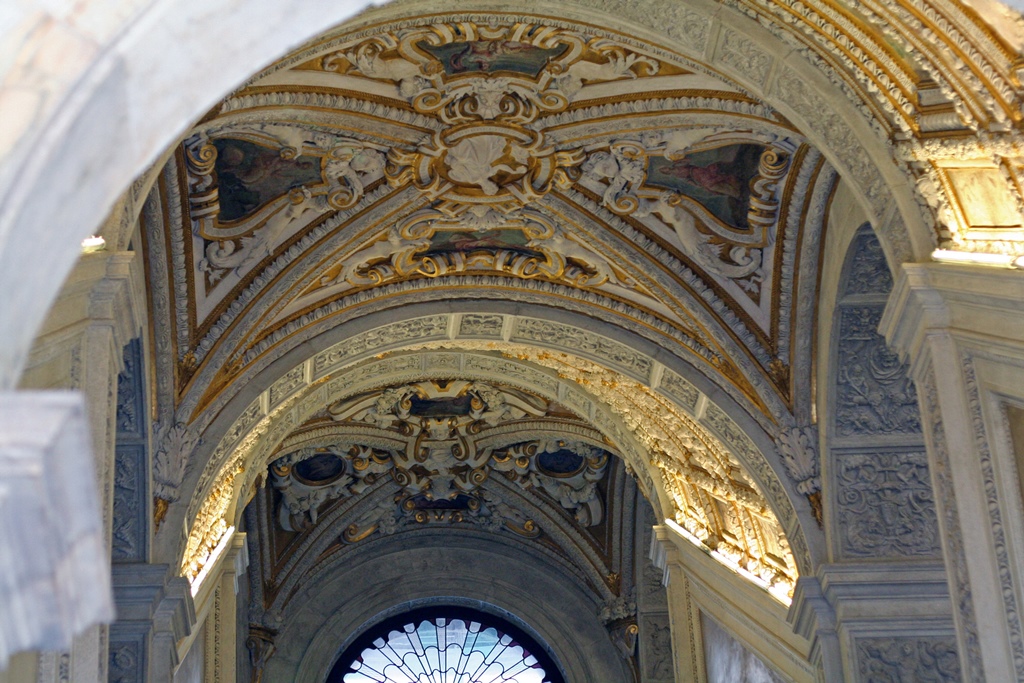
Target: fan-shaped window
(445, 644)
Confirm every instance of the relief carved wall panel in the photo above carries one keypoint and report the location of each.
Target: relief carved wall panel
(130, 525)
(885, 505)
(922, 660)
(883, 500)
(874, 395)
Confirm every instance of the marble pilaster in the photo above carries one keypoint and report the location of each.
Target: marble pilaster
(154, 612)
(80, 347)
(962, 330)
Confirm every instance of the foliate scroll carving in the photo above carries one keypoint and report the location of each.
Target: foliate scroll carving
(526, 69)
(488, 155)
(435, 243)
(798, 447)
(171, 463)
(567, 471)
(885, 505)
(874, 394)
(924, 660)
(504, 167)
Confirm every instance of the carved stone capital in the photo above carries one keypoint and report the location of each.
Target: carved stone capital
(931, 299)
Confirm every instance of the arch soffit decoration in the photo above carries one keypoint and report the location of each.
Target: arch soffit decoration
(804, 469)
(887, 207)
(775, 368)
(929, 81)
(678, 443)
(960, 53)
(244, 291)
(354, 521)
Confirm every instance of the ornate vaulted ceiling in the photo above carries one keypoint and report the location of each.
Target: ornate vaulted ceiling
(498, 162)
(447, 456)
(522, 160)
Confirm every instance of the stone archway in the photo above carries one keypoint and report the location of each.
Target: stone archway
(651, 429)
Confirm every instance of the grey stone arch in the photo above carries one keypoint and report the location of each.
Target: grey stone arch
(793, 509)
(879, 509)
(345, 597)
(306, 567)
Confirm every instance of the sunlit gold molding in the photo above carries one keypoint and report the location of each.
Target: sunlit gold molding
(707, 489)
(713, 497)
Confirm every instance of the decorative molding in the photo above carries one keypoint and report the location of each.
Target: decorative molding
(1005, 563)
(956, 557)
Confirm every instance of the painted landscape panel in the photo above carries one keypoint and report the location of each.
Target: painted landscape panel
(489, 240)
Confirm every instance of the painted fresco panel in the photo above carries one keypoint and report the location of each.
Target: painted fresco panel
(718, 179)
(493, 55)
(249, 176)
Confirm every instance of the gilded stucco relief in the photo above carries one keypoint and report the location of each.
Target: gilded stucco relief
(512, 160)
(471, 155)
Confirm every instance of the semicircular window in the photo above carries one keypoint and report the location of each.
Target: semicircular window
(453, 645)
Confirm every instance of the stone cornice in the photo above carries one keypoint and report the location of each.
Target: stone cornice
(969, 302)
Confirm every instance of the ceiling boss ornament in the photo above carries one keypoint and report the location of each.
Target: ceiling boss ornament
(489, 86)
(439, 442)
